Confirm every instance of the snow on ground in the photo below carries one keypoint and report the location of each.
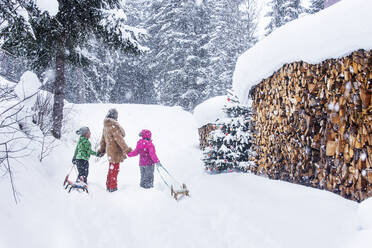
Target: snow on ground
(363, 237)
(225, 210)
(331, 33)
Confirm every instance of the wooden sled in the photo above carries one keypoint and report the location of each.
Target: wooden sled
(178, 194)
(71, 185)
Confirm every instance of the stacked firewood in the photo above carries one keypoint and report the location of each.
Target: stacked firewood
(314, 125)
(204, 133)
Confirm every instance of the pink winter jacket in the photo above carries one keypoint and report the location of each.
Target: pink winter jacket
(145, 149)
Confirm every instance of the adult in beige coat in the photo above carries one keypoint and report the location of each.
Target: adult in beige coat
(113, 144)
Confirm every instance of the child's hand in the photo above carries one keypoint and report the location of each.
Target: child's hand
(130, 150)
(100, 154)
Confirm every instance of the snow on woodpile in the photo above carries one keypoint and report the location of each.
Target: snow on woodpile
(332, 33)
(210, 110)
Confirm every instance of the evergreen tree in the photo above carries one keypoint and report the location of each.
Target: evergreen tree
(293, 9)
(231, 31)
(195, 47)
(61, 39)
(282, 11)
(276, 14)
(230, 144)
(14, 20)
(316, 6)
(177, 31)
(191, 61)
(133, 84)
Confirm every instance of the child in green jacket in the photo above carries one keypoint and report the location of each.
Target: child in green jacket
(82, 154)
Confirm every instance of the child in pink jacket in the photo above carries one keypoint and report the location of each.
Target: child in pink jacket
(148, 158)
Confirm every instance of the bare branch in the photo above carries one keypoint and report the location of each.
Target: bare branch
(11, 176)
(18, 103)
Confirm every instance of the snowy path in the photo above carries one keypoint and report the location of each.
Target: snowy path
(226, 210)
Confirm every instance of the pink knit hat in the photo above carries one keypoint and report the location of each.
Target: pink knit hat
(146, 134)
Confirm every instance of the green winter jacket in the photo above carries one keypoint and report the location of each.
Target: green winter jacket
(83, 149)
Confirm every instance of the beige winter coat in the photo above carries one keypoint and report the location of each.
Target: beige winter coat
(112, 141)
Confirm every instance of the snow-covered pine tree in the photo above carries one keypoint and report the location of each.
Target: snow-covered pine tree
(276, 14)
(293, 9)
(177, 29)
(232, 31)
(316, 6)
(133, 82)
(97, 81)
(230, 145)
(194, 47)
(60, 39)
(15, 20)
(281, 12)
(217, 154)
(221, 30)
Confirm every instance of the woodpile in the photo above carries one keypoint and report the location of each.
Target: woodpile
(314, 125)
(204, 132)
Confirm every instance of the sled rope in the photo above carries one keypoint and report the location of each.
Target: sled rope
(176, 193)
(161, 176)
(72, 167)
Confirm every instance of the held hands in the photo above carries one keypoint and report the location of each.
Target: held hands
(100, 154)
(129, 150)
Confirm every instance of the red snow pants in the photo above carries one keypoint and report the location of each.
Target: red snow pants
(112, 175)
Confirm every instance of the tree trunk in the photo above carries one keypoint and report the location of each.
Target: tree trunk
(59, 86)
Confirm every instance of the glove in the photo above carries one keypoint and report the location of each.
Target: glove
(100, 154)
(74, 161)
(159, 164)
(129, 150)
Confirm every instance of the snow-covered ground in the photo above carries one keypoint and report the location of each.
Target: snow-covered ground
(333, 32)
(225, 210)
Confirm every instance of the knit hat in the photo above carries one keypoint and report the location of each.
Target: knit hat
(113, 114)
(146, 134)
(83, 131)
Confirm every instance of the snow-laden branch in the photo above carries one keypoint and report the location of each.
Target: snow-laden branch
(114, 22)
